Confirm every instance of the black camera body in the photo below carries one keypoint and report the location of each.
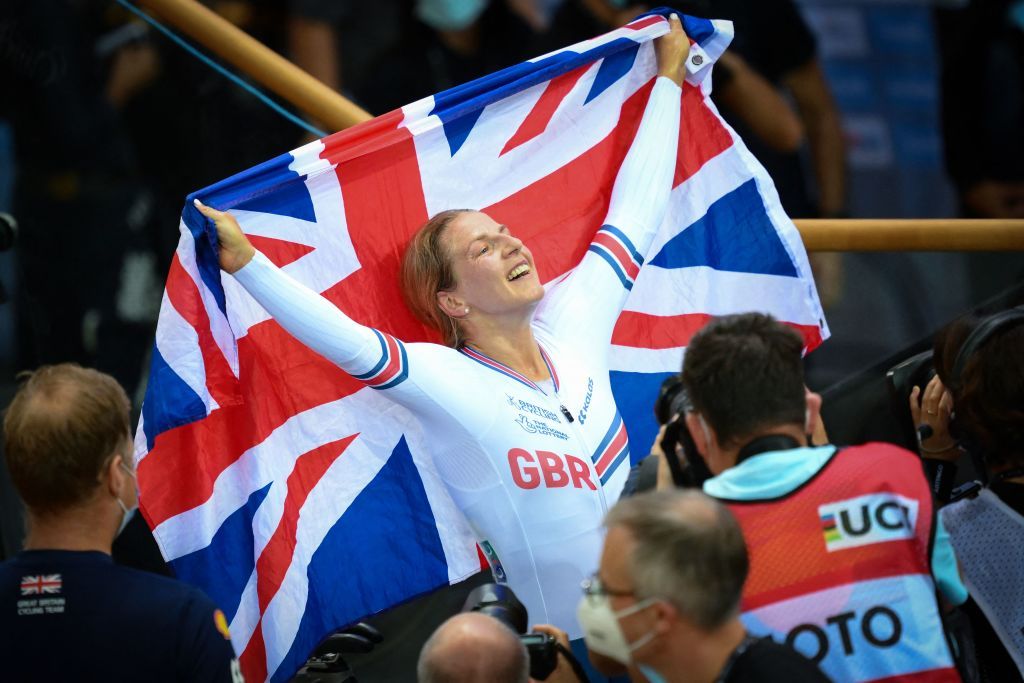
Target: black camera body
(684, 462)
(498, 601)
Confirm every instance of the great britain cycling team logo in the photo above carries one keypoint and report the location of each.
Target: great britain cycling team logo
(41, 584)
(875, 518)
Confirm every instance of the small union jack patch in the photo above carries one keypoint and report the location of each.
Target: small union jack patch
(40, 584)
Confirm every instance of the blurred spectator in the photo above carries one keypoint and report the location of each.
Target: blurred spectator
(739, 88)
(773, 38)
(982, 360)
(82, 209)
(666, 599)
(983, 121)
(845, 551)
(753, 100)
(476, 648)
(354, 51)
(983, 104)
(77, 615)
(407, 50)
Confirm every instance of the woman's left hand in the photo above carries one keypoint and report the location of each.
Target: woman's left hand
(671, 50)
(933, 407)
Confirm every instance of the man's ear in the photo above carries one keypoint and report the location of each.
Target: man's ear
(452, 305)
(814, 424)
(112, 474)
(667, 615)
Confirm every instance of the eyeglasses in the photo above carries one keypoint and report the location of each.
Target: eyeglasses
(593, 587)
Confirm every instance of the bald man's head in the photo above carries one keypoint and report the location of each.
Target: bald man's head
(473, 648)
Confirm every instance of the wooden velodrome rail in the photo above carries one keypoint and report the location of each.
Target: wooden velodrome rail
(314, 98)
(942, 234)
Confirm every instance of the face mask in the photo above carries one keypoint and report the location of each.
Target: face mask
(601, 629)
(1017, 15)
(126, 512)
(126, 516)
(449, 15)
(650, 674)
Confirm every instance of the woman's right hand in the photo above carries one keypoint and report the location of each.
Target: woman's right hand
(235, 248)
(671, 51)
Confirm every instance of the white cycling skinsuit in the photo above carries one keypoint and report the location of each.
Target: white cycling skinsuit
(533, 467)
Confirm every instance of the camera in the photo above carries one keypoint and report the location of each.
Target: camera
(917, 370)
(684, 462)
(326, 664)
(498, 601)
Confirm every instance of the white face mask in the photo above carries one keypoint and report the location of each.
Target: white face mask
(126, 512)
(601, 629)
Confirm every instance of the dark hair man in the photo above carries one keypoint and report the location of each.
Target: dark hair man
(665, 601)
(68, 612)
(845, 547)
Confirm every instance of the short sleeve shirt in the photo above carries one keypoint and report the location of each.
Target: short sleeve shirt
(69, 615)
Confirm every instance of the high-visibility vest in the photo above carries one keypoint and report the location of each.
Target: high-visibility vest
(988, 538)
(840, 569)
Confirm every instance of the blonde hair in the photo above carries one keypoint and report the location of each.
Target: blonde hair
(427, 270)
(60, 431)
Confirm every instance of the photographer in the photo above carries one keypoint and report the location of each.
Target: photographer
(77, 615)
(846, 551)
(477, 648)
(665, 601)
(981, 360)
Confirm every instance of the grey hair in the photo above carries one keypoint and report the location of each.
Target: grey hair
(689, 551)
(459, 652)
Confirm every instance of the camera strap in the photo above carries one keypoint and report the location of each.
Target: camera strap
(764, 444)
(574, 663)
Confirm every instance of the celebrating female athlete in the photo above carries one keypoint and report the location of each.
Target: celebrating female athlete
(519, 408)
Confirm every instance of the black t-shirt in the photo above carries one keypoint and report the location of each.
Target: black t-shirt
(773, 38)
(77, 616)
(770, 35)
(766, 661)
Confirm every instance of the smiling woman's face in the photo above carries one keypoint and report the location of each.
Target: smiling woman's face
(494, 270)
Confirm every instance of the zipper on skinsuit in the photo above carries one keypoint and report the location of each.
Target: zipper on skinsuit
(575, 427)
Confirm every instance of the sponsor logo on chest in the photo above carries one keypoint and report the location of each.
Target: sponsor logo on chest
(586, 401)
(875, 518)
(527, 407)
(532, 426)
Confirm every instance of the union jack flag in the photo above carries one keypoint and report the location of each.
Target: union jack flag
(41, 584)
(300, 499)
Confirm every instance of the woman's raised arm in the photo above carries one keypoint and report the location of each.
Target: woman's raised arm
(303, 313)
